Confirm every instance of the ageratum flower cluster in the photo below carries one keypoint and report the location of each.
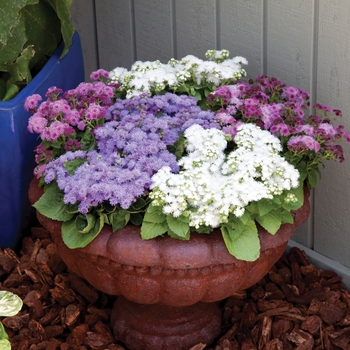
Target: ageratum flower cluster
(190, 75)
(131, 147)
(212, 185)
(272, 105)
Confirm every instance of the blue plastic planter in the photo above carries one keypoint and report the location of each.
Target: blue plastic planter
(17, 144)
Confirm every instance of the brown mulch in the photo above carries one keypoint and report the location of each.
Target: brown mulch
(295, 306)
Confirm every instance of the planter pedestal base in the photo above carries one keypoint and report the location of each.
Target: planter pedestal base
(164, 327)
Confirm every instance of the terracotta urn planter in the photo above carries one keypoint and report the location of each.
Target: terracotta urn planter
(168, 289)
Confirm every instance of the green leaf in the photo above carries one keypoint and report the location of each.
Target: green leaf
(299, 194)
(85, 223)
(4, 343)
(136, 219)
(186, 237)
(119, 219)
(42, 29)
(51, 204)
(72, 165)
(242, 241)
(154, 214)
(271, 222)
(312, 177)
(151, 230)
(74, 239)
(10, 304)
(286, 217)
(265, 206)
(3, 334)
(62, 10)
(138, 205)
(19, 70)
(88, 140)
(179, 225)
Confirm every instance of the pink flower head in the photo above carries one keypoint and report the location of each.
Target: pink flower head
(31, 103)
(36, 123)
(94, 111)
(98, 74)
(326, 129)
(304, 142)
(56, 129)
(224, 118)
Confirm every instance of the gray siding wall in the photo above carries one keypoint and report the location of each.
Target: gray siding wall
(305, 43)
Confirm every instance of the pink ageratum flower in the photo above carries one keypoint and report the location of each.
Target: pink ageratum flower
(31, 103)
(304, 142)
(37, 123)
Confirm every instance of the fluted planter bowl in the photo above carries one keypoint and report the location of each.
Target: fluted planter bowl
(168, 288)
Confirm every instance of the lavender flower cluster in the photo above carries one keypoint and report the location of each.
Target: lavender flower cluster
(131, 147)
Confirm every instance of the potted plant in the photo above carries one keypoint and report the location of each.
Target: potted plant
(38, 49)
(174, 201)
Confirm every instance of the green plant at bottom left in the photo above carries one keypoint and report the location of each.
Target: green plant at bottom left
(10, 305)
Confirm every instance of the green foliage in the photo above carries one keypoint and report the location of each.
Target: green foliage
(30, 31)
(240, 234)
(10, 305)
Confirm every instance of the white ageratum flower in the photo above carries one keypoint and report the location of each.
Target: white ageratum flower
(149, 77)
(211, 185)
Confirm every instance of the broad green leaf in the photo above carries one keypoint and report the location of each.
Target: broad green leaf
(3, 334)
(179, 226)
(85, 223)
(43, 30)
(265, 206)
(72, 165)
(19, 70)
(118, 219)
(286, 217)
(12, 91)
(88, 140)
(151, 230)
(186, 237)
(4, 343)
(136, 219)
(271, 222)
(73, 239)
(138, 205)
(15, 41)
(61, 8)
(51, 204)
(242, 241)
(10, 304)
(154, 214)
